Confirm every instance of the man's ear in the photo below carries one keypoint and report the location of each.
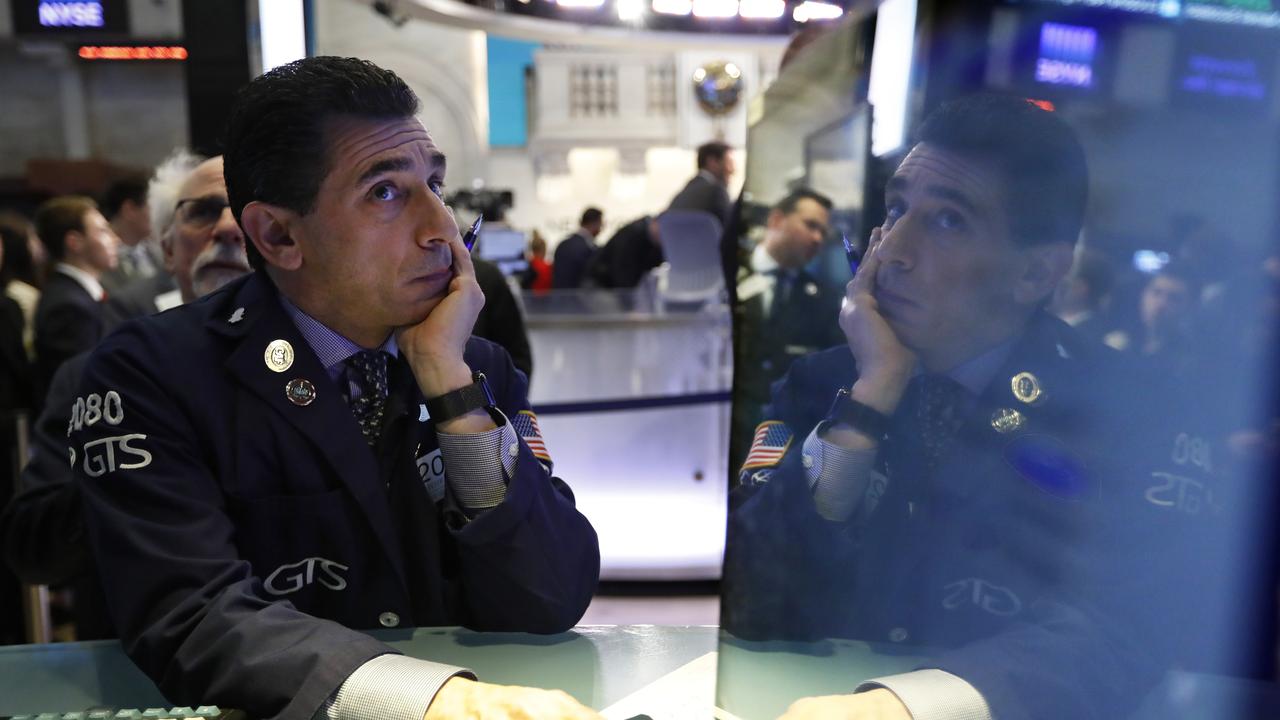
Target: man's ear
(268, 227)
(1046, 265)
(166, 249)
(73, 244)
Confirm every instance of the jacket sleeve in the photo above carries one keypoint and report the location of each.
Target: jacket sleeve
(533, 561)
(42, 530)
(189, 610)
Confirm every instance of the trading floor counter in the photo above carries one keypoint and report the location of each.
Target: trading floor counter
(599, 665)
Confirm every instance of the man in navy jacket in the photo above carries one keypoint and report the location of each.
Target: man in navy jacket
(967, 477)
(321, 447)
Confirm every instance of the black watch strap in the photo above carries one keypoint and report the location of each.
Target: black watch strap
(450, 405)
(863, 418)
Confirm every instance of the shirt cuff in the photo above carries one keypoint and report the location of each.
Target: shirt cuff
(477, 465)
(389, 687)
(837, 476)
(933, 694)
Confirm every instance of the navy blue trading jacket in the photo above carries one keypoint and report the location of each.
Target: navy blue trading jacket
(241, 535)
(1033, 563)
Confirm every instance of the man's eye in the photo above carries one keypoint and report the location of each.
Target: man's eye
(949, 220)
(437, 187)
(893, 211)
(385, 192)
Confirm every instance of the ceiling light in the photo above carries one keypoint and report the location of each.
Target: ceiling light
(715, 8)
(762, 9)
(813, 10)
(673, 7)
(580, 3)
(629, 10)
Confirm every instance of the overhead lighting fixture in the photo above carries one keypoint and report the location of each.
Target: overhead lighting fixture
(282, 32)
(762, 9)
(116, 52)
(629, 10)
(673, 7)
(580, 4)
(813, 10)
(715, 8)
(889, 91)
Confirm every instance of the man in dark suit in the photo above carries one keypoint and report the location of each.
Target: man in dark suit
(573, 254)
(71, 317)
(709, 189)
(140, 275)
(629, 255)
(783, 311)
(321, 447)
(500, 319)
(965, 477)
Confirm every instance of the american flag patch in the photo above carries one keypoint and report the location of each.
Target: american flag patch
(526, 426)
(768, 446)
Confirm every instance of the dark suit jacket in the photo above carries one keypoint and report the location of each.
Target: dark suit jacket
(570, 261)
(628, 256)
(244, 537)
(704, 194)
(136, 297)
(68, 322)
(767, 340)
(500, 319)
(1042, 564)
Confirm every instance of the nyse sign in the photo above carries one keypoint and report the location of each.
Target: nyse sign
(71, 14)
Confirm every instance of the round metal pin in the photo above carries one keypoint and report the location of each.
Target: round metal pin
(1007, 420)
(1026, 387)
(279, 355)
(300, 392)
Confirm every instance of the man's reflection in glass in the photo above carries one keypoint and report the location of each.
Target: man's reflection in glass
(967, 477)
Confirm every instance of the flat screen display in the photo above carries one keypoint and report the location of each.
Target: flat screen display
(70, 18)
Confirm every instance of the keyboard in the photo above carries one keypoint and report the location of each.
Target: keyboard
(204, 712)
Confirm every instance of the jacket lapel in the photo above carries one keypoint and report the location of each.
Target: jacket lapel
(327, 422)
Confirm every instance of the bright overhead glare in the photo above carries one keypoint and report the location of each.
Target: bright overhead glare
(890, 87)
(630, 9)
(673, 7)
(282, 31)
(580, 3)
(812, 10)
(715, 8)
(762, 9)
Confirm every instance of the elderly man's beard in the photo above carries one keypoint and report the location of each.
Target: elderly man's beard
(218, 265)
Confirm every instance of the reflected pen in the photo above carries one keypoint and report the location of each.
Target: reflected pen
(850, 253)
(469, 240)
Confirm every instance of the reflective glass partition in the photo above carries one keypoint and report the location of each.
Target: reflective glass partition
(1033, 473)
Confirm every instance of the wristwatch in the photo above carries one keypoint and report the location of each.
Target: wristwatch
(863, 418)
(457, 403)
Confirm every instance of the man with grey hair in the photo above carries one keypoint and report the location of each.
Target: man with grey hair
(202, 249)
(41, 530)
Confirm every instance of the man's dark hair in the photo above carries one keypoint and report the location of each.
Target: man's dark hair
(276, 147)
(591, 215)
(714, 150)
(1038, 156)
(787, 205)
(1097, 274)
(121, 191)
(59, 216)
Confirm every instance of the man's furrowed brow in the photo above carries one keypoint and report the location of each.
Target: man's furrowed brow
(954, 196)
(400, 164)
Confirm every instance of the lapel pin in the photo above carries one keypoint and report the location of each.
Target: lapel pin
(279, 355)
(236, 316)
(810, 289)
(1007, 420)
(300, 392)
(1026, 387)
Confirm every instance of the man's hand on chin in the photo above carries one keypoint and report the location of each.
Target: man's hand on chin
(463, 698)
(871, 705)
(435, 345)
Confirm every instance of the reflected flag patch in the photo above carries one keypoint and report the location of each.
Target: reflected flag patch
(525, 424)
(768, 446)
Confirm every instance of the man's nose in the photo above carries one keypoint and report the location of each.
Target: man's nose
(435, 222)
(227, 229)
(896, 243)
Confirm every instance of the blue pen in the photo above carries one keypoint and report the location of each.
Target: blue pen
(469, 240)
(850, 254)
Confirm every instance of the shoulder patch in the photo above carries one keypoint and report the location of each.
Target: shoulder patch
(770, 443)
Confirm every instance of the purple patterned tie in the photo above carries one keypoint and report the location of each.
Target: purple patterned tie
(369, 368)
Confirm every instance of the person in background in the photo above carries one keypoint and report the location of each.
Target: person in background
(19, 277)
(1082, 297)
(72, 316)
(783, 311)
(139, 276)
(538, 276)
(630, 254)
(1166, 309)
(708, 191)
(574, 253)
(15, 400)
(501, 320)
